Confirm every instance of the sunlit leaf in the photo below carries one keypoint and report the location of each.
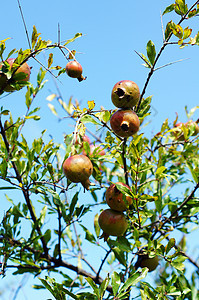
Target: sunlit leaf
(151, 53)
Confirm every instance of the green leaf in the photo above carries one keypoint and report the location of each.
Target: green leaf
(151, 53)
(96, 225)
(168, 30)
(170, 245)
(89, 236)
(119, 254)
(115, 282)
(160, 170)
(187, 32)
(73, 203)
(193, 171)
(133, 280)
(34, 36)
(103, 287)
(178, 263)
(168, 9)
(94, 286)
(47, 236)
(192, 13)
(180, 7)
(89, 119)
(77, 35)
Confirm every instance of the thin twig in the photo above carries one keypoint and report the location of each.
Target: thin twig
(24, 23)
(165, 43)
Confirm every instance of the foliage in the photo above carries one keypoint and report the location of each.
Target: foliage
(153, 168)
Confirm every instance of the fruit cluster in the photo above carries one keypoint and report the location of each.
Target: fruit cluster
(78, 168)
(125, 95)
(124, 123)
(113, 221)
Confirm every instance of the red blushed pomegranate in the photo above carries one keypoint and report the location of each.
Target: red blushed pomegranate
(74, 69)
(115, 199)
(178, 130)
(81, 139)
(7, 84)
(78, 168)
(125, 123)
(112, 223)
(125, 94)
(99, 150)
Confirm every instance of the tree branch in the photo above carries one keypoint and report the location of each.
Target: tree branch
(24, 190)
(165, 43)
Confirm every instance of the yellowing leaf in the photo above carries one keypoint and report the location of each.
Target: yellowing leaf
(160, 170)
(91, 104)
(50, 60)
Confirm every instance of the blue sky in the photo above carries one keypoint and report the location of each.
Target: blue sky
(111, 30)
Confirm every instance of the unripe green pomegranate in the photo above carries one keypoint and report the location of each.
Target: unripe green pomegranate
(78, 168)
(150, 263)
(115, 199)
(6, 84)
(125, 94)
(125, 123)
(112, 223)
(74, 69)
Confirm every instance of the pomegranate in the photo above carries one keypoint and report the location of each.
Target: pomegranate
(125, 94)
(112, 223)
(78, 168)
(7, 84)
(178, 130)
(125, 123)
(150, 262)
(74, 69)
(115, 199)
(99, 150)
(81, 139)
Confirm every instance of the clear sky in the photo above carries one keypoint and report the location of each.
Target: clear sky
(112, 31)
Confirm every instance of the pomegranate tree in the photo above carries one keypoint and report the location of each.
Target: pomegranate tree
(7, 84)
(78, 168)
(115, 199)
(112, 223)
(125, 94)
(125, 123)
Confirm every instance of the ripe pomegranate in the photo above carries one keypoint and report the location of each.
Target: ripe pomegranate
(78, 168)
(125, 123)
(81, 139)
(74, 69)
(150, 263)
(7, 84)
(115, 199)
(112, 223)
(125, 94)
